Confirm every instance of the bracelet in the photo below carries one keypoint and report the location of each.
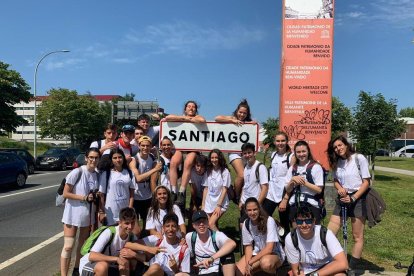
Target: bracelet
(212, 259)
(218, 205)
(353, 199)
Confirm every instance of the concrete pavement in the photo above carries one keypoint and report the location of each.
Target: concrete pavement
(386, 169)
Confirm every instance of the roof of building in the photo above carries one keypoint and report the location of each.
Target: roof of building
(101, 98)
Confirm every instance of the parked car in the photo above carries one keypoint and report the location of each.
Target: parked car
(13, 169)
(26, 156)
(382, 152)
(57, 158)
(407, 151)
(79, 161)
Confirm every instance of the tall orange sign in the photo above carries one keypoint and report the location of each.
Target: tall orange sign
(306, 73)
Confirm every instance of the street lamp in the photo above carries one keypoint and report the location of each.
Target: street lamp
(34, 94)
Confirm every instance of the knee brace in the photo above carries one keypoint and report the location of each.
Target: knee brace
(68, 243)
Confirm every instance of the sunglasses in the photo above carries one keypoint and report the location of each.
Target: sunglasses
(301, 221)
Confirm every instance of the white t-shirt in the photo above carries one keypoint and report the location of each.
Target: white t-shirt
(313, 253)
(206, 250)
(162, 258)
(317, 176)
(117, 192)
(215, 181)
(277, 179)
(103, 142)
(76, 212)
(157, 222)
(348, 175)
(112, 250)
(143, 189)
(252, 186)
(260, 239)
(153, 131)
(198, 180)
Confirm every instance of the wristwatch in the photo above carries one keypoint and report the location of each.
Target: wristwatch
(315, 273)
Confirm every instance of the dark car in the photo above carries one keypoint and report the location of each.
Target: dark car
(57, 158)
(13, 169)
(79, 161)
(26, 156)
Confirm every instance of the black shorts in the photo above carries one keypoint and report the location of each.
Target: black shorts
(243, 216)
(358, 209)
(141, 208)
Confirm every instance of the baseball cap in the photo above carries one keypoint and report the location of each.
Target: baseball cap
(199, 215)
(128, 128)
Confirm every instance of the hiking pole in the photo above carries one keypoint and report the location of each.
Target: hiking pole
(344, 226)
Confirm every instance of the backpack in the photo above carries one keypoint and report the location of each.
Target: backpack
(180, 255)
(257, 172)
(320, 198)
(90, 242)
(194, 238)
(60, 200)
(322, 235)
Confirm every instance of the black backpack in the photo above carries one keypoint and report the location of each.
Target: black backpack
(284, 161)
(318, 197)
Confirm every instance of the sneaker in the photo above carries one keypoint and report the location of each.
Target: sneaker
(180, 199)
(75, 271)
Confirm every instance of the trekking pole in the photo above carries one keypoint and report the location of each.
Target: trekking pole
(344, 226)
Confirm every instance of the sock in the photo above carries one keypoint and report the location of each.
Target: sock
(182, 189)
(353, 262)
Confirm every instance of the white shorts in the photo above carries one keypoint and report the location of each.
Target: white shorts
(234, 156)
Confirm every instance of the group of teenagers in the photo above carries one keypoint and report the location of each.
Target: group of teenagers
(135, 177)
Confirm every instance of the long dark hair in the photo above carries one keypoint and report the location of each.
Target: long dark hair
(244, 104)
(154, 209)
(124, 162)
(262, 218)
(221, 161)
(302, 143)
(332, 156)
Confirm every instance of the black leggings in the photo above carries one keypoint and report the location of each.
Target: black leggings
(270, 206)
(141, 208)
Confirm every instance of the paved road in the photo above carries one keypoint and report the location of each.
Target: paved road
(28, 217)
(385, 169)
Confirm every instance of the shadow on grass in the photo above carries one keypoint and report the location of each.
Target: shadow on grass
(234, 234)
(367, 265)
(381, 177)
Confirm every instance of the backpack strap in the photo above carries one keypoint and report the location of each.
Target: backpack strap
(193, 241)
(99, 144)
(257, 172)
(322, 235)
(287, 160)
(247, 223)
(108, 175)
(213, 239)
(113, 230)
(181, 254)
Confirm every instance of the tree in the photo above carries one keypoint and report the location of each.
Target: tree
(271, 126)
(13, 89)
(376, 123)
(341, 117)
(407, 112)
(66, 114)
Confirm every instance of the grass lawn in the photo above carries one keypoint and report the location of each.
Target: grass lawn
(403, 163)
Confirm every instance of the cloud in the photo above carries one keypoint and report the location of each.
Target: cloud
(52, 65)
(396, 13)
(188, 39)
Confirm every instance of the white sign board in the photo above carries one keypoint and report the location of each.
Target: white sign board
(210, 135)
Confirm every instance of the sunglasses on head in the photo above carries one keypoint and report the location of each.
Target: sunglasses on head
(301, 221)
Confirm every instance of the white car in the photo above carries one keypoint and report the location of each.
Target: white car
(407, 151)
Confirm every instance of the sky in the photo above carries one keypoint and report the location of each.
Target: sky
(214, 52)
